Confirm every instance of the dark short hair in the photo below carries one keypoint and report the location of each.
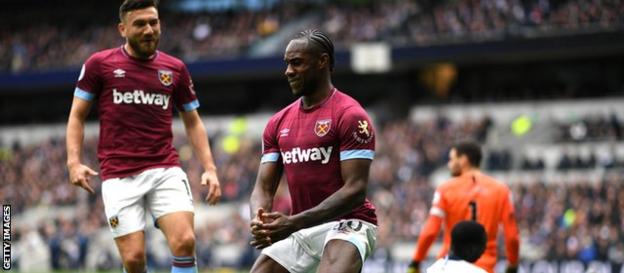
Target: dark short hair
(468, 240)
(470, 149)
(321, 43)
(130, 5)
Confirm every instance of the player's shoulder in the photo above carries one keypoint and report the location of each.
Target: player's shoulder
(495, 183)
(103, 55)
(347, 107)
(164, 57)
(344, 101)
(451, 184)
(283, 113)
(472, 268)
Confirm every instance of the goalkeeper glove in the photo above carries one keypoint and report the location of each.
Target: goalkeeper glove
(413, 267)
(511, 269)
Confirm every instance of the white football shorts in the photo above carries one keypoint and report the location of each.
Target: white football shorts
(159, 191)
(301, 252)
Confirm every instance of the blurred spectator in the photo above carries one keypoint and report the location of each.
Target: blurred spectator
(592, 128)
(64, 39)
(558, 220)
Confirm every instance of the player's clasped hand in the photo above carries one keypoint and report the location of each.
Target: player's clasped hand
(211, 180)
(80, 176)
(260, 236)
(270, 227)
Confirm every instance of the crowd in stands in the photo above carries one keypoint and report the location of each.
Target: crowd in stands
(557, 220)
(480, 20)
(592, 128)
(65, 40)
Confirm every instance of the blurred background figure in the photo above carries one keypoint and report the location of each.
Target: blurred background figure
(468, 241)
(470, 195)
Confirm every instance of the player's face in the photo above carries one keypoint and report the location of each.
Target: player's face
(454, 163)
(141, 28)
(302, 70)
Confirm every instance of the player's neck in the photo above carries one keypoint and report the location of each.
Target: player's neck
(470, 170)
(317, 97)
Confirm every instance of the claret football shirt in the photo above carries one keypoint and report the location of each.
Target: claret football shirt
(135, 100)
(311, 143)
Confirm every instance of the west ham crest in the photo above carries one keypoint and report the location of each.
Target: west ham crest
(165, 77)
(113, 221)
(322, 127)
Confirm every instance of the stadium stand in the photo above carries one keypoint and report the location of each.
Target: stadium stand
(559, 215)
(57, 43)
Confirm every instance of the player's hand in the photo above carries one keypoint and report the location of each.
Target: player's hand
(277, 226)
(211, 180)
(256, 224)
(413, 267)
(511, 269)
(260, 236)
(80, 176)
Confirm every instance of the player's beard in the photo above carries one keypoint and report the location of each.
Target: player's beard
(303, 86)
(455, 171)
(144, 49)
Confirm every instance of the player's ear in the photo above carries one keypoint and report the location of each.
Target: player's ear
(323, 60)
(121, 27)
(463, 160)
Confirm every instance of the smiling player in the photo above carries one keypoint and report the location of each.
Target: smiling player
(136, 88)
(325, 143)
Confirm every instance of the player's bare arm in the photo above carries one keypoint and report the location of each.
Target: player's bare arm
(427, 236)
(79, 174)
(512, 236)
(197, 135)
(261, 200)
(351, 195)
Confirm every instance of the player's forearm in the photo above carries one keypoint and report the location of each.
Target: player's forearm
(512, 234)
(199, 140)
(340, 203)
(74, 139)
(267, 181)
(512, 247)
(260, 199)
(428, 234)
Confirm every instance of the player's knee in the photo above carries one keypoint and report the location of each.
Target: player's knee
(183, 244)
(134, 261)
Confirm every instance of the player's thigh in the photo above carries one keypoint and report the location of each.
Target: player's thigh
(265, 264)
(347, 245)
(298, 253)
(177, 226)
(131, 246)
(170, 193)
(124, 204)
(340, 256)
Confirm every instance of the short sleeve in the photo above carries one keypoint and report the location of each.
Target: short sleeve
(89, 83)
(357, 136)
(438, 207)
(184, 96)
(270, 147)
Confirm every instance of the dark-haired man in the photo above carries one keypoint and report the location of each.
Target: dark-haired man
(324, 142)
(468, 240)
(470, 195)
(136, 88)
